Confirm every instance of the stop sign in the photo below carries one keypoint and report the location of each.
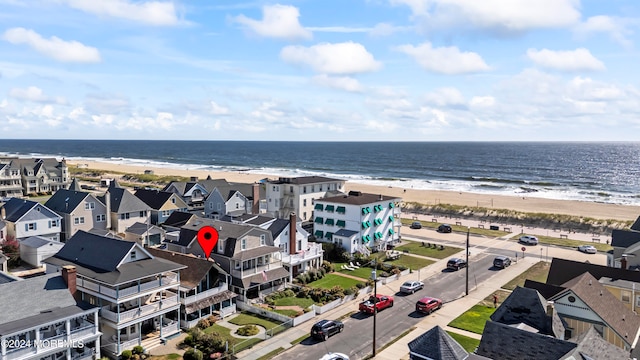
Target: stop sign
(524, 248)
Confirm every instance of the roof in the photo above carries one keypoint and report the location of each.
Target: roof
(504, 342)
(345, 233)
(525, 306)
(357, 198)
(186, 237)
(437, 344)
(94, 251)
(7, 278)
(39, 241)
(257, 279)
(255, 252)
(29, 297)
(139, 228)
(624, 238)
(65, 201)
(590, 343)
(260, 220)
(122, 201)
(278, 226)
(196, 268)
(16, 208)
(636, 225)
(562, 270)
(154, 198)
(303, 180)
(546, 290)
(178, 218)
(74, 186)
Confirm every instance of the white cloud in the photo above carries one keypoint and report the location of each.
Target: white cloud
(339, 29)
(54, 47)
(218, 110)
(482, 101)
(338, 82)
(589, 90)
(160, 13)
(494, 15)
(35, 94)
(614, 26)
(446, 97)
(445, 60)
(278, 21)
(570, 60)
(386, 29)
(339, 58)
(107, 104)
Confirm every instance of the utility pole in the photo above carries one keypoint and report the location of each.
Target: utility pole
(375, 305)
(466, 291)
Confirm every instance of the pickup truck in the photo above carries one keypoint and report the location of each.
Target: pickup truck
(380, 302)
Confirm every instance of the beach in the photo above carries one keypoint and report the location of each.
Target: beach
(427, 197)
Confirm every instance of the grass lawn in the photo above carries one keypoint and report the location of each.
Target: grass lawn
(226, 334)
(363, 272)
(411, 262)
(473, 319)
(293, 301)
(331, 280)
(457, 228)
(469, 344)
(415, 247)
(568, 242)
(246, 319)
(538, 272)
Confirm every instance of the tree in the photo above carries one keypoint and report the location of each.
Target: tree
(11, 248)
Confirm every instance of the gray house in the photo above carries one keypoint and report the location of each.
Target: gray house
(124, 208)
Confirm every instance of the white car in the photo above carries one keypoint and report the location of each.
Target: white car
(409, 287)
(529, 240)
(587, 249)
(335, 356)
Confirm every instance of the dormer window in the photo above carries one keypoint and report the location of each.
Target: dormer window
(243, 244)
(132, 255)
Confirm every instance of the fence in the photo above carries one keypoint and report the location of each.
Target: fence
(262, 312)
(393, 278)
(304, 317)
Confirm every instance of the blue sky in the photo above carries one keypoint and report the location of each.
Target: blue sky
(330, 70)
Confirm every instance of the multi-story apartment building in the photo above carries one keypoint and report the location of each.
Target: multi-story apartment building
(297, 195)
(358, 222)
(137, 293)
(10, 179)
(24, 218)
(42, 318)
(41, 175)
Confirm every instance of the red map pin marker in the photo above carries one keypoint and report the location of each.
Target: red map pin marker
(207, 238)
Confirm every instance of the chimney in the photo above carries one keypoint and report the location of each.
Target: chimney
(550, 309)
(292, 233)
(623, 262)
(255, 206)
(107, 203)
(69, 276)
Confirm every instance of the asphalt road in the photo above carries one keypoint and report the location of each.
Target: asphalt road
(356, 339)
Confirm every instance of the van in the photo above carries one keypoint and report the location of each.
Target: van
(501, 262)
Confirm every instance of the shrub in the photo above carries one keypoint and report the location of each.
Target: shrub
(203, 324)
(193, 354)
(396, 271)
(138, 350)
(188, 340)
(248, 330)
(328, 267)
(321, 272)
(126, 354)
(361, 285)
(289, 293)
(350, 291)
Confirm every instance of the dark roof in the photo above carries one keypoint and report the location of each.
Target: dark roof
(122, 201)
(94, 251)
(624, 238)
(591, 344)
(345, 233)
(525, 306)
(196, 268)
(16, 208)
(186, 236)
(636, 225)
(7, 278)
(359, 199)
(504, 342)
(257, 279)
(154, 198)
(65, 201)
(608, 307)
(259, 220)
(437, 344)
(211, 300)
(563, 270)
(303, 180)
(546, 290)
(278, 227)
(74, 186)
(178, 219)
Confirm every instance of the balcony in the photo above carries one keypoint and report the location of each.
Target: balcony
(256, 270)
(313, 251)
(205, 294)
(130, 314)
(112, 347)
(85, 284)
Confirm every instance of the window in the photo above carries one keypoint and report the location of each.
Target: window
(30, 226)
(173, 200)
(299, 245)
(237, 206)
(81, 219)
(210, 206)
(53, 223)
(132, 255)
(100, 218)
(237, 265)
(220, 246)
(243, 244)
(304, 189)
(76, 221)
(304, 202)
(313, 188)
(143, 213)
(89, 206)
(260, 260)
(124, 216)
(262, 239)
(625, 296)
(274, 188)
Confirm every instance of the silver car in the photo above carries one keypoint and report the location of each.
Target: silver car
(529, 239)
(409, 287)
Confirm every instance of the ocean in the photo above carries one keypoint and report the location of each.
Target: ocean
(590, 171)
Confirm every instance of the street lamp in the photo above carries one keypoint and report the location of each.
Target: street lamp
(375, 307)
(466, 291)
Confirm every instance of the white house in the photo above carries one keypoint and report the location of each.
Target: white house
(297, 195)
(359, 222)
(34, 249)
(24, 218)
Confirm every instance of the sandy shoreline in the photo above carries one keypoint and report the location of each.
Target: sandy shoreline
(525, 204)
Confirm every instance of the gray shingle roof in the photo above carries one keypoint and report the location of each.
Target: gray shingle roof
(38, 241)
(278, 226)
(16, 208)
(345, 233)
(142, 228)
(74, 186)
(525, 306)
(122, 201)
(437, 344)
(590, 343)
(636, 225)
(196, 268)
(178, 218)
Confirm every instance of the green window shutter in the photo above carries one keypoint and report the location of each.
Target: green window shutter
(392, 205)
(391, 232)
(319, 220)
(391, 218)
(328, 235)
(341, 223)
(329, 208)
(341, 209)
(329, 222)
(318, 207)
(318, 233)
(364, 224)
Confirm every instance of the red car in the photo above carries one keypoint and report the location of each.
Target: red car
(428, 305)
(380, 302)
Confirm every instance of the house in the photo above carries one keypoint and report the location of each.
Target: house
(10, 179)
(437, 344)
(44, 175)
(298, 194)
(626, 248)
(34, 249)
(24, 218)
(136, 292)
(46, 308)
(204, 288)
(79, 210)
(298, 255)
(145, 234)
(232, 199)
(244, 251)
(124, 208)
(162, 204)
(358, 222)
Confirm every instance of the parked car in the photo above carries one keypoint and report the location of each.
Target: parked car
(456, 264)
(428, 305)
(416, 225)
(529, 239)
(501, 262)
(335, 356)
(325, 328)
(377, 301)
(588, 249)
(409, 287)
(444, 228)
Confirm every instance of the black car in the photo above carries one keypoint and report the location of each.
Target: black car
(501, 262)
(416, 225)
(444, 228)
(456, 264)
(325, 328)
